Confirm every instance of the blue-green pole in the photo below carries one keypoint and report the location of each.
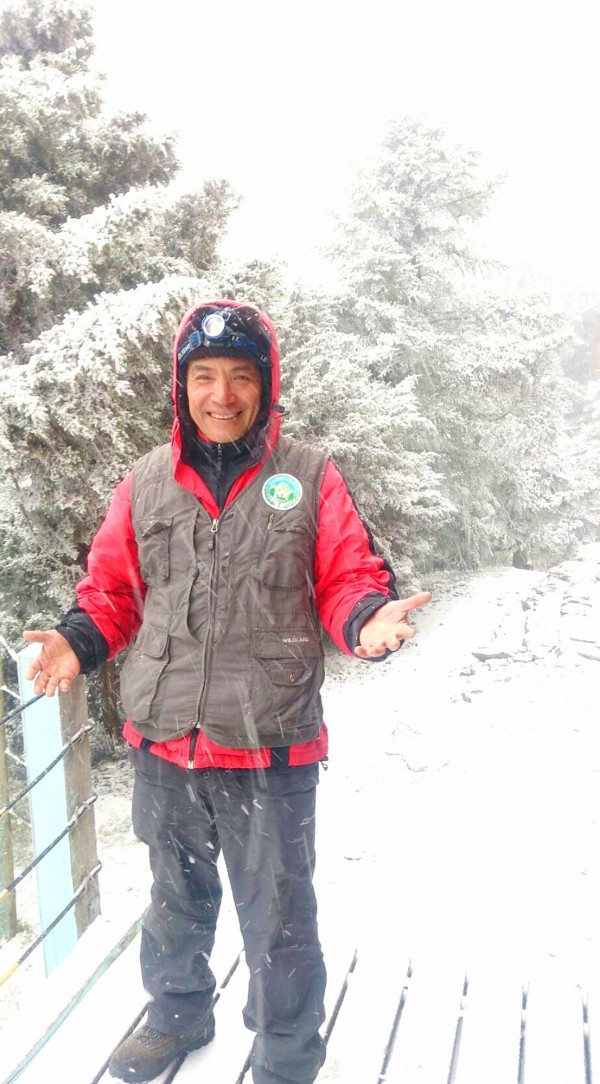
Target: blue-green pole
(49, 816)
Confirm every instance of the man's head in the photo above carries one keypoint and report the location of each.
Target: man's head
(223, 357)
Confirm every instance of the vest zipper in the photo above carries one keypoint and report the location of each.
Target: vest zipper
(212, 546)
(219, 476)
(214, 527)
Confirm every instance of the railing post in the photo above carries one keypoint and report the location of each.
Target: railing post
(47, 726)
(8, 907)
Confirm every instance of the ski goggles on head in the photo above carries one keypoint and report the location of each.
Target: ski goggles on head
(224, 329)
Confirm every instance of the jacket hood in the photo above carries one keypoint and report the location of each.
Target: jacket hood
(255, 327)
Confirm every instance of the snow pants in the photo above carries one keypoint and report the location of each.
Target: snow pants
(264, 824)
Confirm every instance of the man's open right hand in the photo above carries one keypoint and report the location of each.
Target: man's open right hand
(56, 665)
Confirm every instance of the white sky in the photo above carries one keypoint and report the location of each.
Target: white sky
(288, 98)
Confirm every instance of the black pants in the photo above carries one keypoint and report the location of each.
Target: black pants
(264, 823)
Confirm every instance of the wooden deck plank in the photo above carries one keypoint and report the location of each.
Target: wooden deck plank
(340, 967)
(94, 1027)
(490, 1040)
(97, 1022)
(50, 1002)
(222, 1060)
(229, 1020)
(554, 1049)
(424, 1044)
(357, 1044)
(340, 958)
(227, 949)
(592, 1030)
(224, 1012)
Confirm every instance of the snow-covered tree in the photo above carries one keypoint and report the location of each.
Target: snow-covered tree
(98, 257)
(484, 365)
(60, 153)
(581, 362)
(367, 429)
(92, 397)
(583, 457)
(83, 203)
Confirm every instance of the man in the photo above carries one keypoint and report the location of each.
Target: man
(224, 552)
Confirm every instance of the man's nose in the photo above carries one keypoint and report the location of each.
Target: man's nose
(224, 392)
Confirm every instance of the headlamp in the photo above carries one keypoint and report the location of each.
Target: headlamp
(213, 325)
(214, 331)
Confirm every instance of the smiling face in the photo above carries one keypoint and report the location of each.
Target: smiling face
(223, 396)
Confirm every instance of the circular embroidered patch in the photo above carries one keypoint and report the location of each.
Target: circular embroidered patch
(282, 491)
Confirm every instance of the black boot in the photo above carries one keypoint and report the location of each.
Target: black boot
(147, 1053)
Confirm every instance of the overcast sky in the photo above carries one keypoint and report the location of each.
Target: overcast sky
(288, 98)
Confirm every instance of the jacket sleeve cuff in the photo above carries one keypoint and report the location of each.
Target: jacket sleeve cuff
(359, 615)
(85, 639)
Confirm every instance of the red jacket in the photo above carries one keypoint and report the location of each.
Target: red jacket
(347, 570)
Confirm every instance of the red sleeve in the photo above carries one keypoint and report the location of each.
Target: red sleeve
(113, 592)
(347, 567)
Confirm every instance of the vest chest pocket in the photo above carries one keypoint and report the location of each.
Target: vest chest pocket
(287, 555)
(141, 673)
(153, 549)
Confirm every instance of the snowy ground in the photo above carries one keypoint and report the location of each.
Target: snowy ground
(469, 770)
(461, 803)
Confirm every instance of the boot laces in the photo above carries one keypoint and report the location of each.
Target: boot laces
(148, 1035)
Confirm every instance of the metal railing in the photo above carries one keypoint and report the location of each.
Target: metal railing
(60, 798)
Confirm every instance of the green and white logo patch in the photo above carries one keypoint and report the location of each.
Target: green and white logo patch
(282, 491)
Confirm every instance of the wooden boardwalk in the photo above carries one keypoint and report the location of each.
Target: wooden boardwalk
(391, 1019)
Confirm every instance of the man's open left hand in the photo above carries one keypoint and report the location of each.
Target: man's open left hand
(388, 626)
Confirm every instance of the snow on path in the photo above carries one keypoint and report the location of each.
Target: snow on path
(461, 807)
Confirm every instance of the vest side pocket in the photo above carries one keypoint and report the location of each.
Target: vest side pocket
(142, 671)
(153, 549)
(286, 677)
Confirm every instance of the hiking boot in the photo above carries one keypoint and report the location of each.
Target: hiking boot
(148, 1052)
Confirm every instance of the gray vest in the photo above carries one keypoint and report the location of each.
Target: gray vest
(230, 640)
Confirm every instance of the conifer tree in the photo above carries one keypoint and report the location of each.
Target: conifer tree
(484, 363)
(98, 257)
(581, 364)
